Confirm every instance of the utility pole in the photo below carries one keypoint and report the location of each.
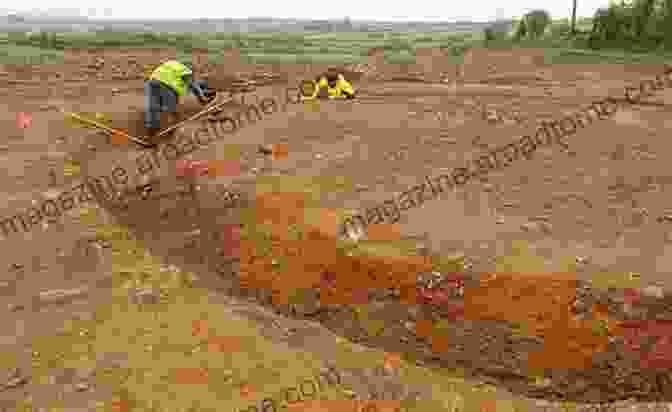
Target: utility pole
(573, 28)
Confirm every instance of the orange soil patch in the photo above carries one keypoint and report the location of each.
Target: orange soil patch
(392, 361)
(328, 224)
(307, 260)
(488, 405)
(120, 405)
(223, 167)
(279, 151)
(225, 344)
(199, 328)
(191, 376)
(247, 390)
(542, 305)
(383, 232)
(117, 138)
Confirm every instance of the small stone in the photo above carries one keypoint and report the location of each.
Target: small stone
(581, 260)
(16, 382)
(546, 227)
(653, 291)
(146, 296)
(530, 226)
(422, 250)
(4, 148)
(488, 187)
(54, 295)
(500, 220)
(266, 149)
(82, 386)
(15, 307)
(319, 156)
(14, 373)
(492, 116)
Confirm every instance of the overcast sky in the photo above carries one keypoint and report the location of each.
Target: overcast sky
(423, 10)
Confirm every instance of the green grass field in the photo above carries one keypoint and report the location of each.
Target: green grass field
(327, 48)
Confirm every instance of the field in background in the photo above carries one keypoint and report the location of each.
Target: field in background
(320, 48)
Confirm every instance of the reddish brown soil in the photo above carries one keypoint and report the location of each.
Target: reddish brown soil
(604, 202)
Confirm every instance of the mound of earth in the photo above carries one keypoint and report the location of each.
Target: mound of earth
(435, 65)
(480, 63)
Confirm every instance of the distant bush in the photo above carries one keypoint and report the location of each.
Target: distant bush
(397, 45)
(560, 29)
(521, 30)
(489, 34)
(536, 23)
(494, 33)
(637, 26)
(150, 37)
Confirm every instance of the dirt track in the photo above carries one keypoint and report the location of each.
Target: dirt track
(592, 214)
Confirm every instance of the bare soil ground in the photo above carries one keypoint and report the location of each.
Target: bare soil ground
(571, 235)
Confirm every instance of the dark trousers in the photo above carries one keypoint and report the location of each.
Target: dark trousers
(161, 98)
(158, 98)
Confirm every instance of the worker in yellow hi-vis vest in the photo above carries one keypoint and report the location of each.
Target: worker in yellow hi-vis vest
(167, 83)
(332, 85)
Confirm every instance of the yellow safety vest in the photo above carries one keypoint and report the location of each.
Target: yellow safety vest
(342, 85)
(170, 73)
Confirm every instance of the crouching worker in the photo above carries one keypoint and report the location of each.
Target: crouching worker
(331, 85)
(166, 85)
